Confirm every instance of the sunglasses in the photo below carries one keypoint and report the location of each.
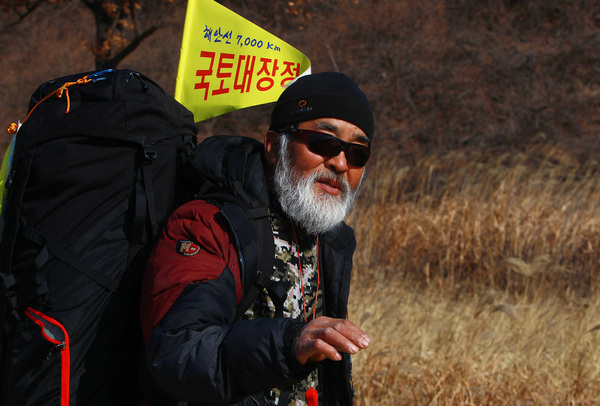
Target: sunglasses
(329, 146)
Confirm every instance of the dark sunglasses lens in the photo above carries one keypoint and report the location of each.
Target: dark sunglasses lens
(358, 156)
(324, 144)
(328, 145)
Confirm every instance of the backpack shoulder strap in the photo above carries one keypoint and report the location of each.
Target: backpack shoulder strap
(252, 229)
(264, 268)
(228, 172)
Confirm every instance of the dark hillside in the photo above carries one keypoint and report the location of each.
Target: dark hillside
(442, 75)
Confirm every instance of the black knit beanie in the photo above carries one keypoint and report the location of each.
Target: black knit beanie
(321, 95)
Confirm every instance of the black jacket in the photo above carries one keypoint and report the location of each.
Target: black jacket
(195, 353)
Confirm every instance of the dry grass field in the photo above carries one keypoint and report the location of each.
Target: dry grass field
(432, 346)
(477, 279)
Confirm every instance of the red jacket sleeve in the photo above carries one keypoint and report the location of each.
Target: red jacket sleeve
(195, 246)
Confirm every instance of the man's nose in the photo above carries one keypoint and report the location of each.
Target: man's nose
(337, 163)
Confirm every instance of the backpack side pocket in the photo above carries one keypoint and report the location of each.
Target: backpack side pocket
(56, 334)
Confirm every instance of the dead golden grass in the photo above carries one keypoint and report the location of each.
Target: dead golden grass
(470, 219)
(431, 346)
(477, 279)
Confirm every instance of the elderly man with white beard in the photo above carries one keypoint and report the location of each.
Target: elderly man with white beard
(292, 345)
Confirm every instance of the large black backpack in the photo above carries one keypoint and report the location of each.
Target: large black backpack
(96, 173)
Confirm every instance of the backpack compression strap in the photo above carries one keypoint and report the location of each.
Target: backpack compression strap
(48, 250)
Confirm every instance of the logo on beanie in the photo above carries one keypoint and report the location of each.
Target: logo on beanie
(303, 108)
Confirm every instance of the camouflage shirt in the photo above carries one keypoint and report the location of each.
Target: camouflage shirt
(301, 299)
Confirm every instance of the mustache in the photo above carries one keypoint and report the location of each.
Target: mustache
(329, 175)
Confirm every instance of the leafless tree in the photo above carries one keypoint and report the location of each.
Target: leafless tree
(121, 25)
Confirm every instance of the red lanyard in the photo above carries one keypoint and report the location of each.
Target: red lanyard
(312, 396)
(302, 279)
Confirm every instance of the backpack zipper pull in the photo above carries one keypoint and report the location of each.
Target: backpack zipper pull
(55, 349)
(139, 77)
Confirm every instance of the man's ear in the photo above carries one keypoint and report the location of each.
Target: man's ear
(271, 147)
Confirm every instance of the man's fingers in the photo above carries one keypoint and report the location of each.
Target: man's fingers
(343, 333)
(325, 337)
(325, 349)
(338, 337)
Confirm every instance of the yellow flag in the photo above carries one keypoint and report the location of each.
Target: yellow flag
(228, 63)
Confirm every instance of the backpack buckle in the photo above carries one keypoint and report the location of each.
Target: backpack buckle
(150, 154)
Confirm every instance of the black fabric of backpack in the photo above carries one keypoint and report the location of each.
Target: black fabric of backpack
(96, 173)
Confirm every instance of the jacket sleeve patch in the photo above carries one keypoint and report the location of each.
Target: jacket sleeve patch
(187, 248)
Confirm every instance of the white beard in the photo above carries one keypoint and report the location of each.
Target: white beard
(314, 212)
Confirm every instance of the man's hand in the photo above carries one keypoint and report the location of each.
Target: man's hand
(325, 337)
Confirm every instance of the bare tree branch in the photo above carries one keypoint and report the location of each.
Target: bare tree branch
(132, 46)
(22, 9)
(121, 25)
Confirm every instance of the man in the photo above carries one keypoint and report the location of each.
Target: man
(295, 338)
